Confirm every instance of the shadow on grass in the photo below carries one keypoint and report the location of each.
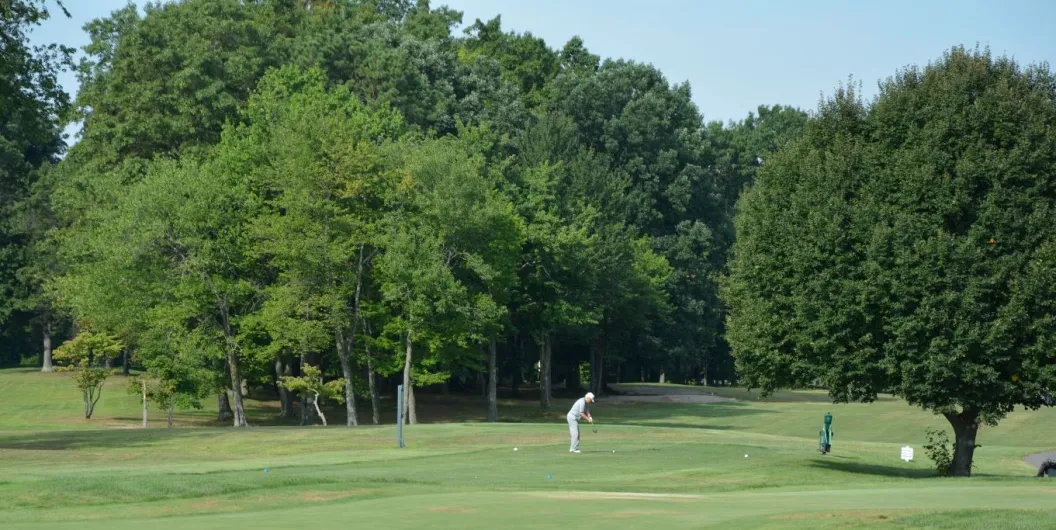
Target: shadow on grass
(859, 468)
(693, 416)
(110, 438)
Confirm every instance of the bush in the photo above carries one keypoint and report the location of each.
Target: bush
(31, 361)
(938, 450)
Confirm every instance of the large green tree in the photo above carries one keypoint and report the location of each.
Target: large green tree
(447, 239)
(650, 133)
(907, 246)
(32, 110)
(321, 163)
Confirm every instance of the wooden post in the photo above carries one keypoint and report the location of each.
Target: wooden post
(144, 385)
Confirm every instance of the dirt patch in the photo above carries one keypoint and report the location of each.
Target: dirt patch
(324, 496)
(857, 515)
(206, 505)
(450, 509)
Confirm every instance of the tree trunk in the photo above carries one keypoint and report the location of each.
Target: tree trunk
(344, 352)
(225, 407)
(47, 347)
(662, 380)
(374, 405)
(239, 415)
(285, 399)
(172, 409)
(125, 368)
(412, 415)
(232, 367)
(108, 363)
(965, 427)
(315, 402)
(305, 412)
(544, 372)
(408, 394)
(493, 382)
(143, 385)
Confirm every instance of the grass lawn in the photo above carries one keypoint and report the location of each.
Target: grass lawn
(674, 466)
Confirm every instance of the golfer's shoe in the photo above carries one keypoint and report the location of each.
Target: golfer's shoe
(574, 451)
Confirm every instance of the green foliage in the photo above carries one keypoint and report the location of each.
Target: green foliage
(89, 380)
(311, 384)
(389, 180)
(311, 388)
(169, 80)
(88, 348)
(526, 61)
(907, 246)
(450, 242)
(32, 109)
(938, 450)
(743, 147)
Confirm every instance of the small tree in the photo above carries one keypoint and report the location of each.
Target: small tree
(166, 393)
(311, 387)
(82, 355)
(89, 348)
(90, 380)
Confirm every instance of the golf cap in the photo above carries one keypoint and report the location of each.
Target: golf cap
(590, 395)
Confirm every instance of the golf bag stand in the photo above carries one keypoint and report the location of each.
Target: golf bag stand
(825, 436)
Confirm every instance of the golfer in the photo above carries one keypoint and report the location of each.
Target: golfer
(579, 410)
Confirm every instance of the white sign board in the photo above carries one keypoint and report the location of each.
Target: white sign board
(907, 453)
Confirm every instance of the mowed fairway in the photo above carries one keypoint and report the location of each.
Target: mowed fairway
(675, 465)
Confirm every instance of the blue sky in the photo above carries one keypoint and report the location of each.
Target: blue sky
(737, 55)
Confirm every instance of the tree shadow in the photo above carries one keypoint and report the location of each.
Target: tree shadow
(860, 468)
(667, 414)
(104, 438)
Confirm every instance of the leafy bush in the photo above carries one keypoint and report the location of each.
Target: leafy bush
(88, 348)
(312, 389)
(938, 450)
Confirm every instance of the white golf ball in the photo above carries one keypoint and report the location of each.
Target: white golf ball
(746, 456)
(514, 448)
(613, 452)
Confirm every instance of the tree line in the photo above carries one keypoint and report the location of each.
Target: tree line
(328, 198)
(356, 186)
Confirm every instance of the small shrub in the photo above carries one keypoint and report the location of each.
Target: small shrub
(312, 389)
(939, 451)
(90, 382)
(31, 361)
(83, 355)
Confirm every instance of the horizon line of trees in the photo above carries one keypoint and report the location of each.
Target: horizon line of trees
(265, 186)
